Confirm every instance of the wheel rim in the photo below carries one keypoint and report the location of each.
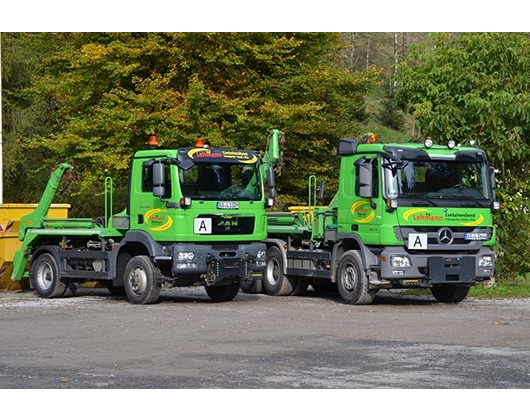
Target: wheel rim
(273, 271)
(44, 276)
(138, 280)
(349, 278)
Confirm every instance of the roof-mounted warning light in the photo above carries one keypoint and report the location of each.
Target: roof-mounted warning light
(203, 144)
(428, 142)
(370, 138)
(153, 141)
(451, 144)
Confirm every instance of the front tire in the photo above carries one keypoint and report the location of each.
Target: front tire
(352, 282)
(140, 281)
(450, 293)
(223, 293)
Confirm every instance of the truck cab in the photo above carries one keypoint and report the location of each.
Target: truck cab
(423, 213)
(206, 207)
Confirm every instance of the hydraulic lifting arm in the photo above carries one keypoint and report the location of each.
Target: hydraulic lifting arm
(34, 220)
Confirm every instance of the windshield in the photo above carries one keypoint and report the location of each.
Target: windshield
(438, 179)
(220, 181)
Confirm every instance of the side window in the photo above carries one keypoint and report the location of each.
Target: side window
(147, 179)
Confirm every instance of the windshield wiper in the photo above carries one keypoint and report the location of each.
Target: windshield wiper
(464, 201)
(424, 203)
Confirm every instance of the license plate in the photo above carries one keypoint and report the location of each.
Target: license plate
(417, 241)
(202, 226)
(224, 205)
(476, 236)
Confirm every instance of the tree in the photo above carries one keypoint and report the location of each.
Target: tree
(476, 86)
(110, 91)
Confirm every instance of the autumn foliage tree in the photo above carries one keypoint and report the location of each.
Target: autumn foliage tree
(476, 86)
(108, 92)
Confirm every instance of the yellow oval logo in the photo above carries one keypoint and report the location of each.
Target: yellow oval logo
(158, 220)
(362, 211)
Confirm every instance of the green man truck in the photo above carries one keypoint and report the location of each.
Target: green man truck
(194, 216)
(404, 216)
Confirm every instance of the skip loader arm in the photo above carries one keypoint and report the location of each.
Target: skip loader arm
(273, 155)
(34, 220)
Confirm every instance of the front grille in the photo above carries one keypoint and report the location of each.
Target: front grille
(458, 242)
(231, 225)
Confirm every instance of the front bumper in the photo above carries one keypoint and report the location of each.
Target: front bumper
(429, 269)
(220, 261)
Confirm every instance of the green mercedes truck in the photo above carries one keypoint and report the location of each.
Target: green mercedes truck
(405, 216)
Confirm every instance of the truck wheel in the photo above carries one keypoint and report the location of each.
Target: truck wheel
(275, 282)
(140, 282)
(450, 293)
(352, 282)
(251, 287)
(223, 293)
(44, 275)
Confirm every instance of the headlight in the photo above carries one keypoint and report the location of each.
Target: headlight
(485, 261)
(261, 255)
(185, 256)
(400, 261)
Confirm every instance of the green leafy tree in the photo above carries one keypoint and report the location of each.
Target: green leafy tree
(109, 92)
(476, 86)
(22, 117)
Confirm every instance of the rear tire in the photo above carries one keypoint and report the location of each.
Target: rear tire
(140, 280)
(450, 293)
(352, 282)
(44, 275)
(223, 293)
(275, 282)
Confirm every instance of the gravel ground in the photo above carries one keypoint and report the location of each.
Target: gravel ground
(94, 340)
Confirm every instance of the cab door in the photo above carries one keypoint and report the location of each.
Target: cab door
(151, 190)
(365, 206)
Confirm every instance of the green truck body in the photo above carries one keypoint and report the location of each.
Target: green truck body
(195, 216)
(404, 216)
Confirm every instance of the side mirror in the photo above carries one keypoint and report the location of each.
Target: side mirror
(492, 178)
(159, 180)
(271, 182)
(364, 178)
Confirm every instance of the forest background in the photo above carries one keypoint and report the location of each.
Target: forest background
(92, 99)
